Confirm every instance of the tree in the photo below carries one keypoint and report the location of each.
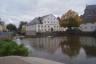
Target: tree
(11, 27)
(71, 46)
(22, 23)
(9, 47)
(70, 19)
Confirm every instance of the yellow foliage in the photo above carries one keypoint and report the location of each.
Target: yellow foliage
(69, 17)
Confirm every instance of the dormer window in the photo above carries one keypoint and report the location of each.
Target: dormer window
(91, 27)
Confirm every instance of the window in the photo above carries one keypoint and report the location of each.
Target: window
(85, 27)
(57, 26)
(91, 27)
(38, 26)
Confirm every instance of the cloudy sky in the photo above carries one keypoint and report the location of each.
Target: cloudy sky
(16, 10)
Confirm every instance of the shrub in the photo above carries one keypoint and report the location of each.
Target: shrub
(9, 47)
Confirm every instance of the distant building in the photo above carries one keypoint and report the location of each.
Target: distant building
(88, 20)
(23, 30)
(48, 23)
(2, 26)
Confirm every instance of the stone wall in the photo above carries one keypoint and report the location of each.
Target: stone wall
(5, 35)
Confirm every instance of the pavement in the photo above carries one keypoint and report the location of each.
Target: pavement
(25, 60)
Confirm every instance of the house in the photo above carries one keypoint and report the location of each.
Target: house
(2, 26)
(88, 20)
(88, 27)
(3, 31)
(48, 23)
(23, 29)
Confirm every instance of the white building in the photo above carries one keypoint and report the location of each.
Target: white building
(88, 27)
(2, 26)
(48, 23)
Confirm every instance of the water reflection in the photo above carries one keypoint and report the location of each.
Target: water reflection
(71, 46)
(46, 44)
(89, 45)
(68, 49)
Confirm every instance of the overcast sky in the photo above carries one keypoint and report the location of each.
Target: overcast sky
(16, 10)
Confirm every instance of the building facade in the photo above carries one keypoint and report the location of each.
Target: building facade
(88, 27)
(48, 23)
(88, 20)
(2, 26)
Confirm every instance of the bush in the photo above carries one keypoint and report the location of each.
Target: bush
(9, 47)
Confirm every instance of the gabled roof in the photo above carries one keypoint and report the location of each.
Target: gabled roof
(1, 23)
(90, 6)
(38, 20)
(89, 15)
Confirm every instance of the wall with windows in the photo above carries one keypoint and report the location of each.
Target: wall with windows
(88, 27)
(2, 28)
(50, 24)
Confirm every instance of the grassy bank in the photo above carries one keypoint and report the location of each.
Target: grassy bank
(11, 48)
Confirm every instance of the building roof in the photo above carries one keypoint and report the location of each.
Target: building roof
(38, 20)
(90, 6)
(1, 23)
(89, 15)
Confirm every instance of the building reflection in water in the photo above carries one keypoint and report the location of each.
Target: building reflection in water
(63, 48)
(49, 45)
(89, 45)
(69, 45)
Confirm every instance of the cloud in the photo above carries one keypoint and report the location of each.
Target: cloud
(16, 10)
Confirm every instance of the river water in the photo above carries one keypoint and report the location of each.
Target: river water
(67, 49)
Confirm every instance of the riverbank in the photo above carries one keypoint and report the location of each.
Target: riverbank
(66, 33)
(25, 60)
(4, 35)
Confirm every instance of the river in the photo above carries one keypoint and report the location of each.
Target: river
(67, 49)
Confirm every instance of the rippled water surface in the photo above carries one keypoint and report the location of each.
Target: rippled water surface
(67, 49)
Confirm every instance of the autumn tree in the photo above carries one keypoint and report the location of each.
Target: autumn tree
(70, 19)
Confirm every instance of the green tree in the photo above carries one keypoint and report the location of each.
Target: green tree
(11, 27)
(9, 47)
(70, 19)
(22, 23)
